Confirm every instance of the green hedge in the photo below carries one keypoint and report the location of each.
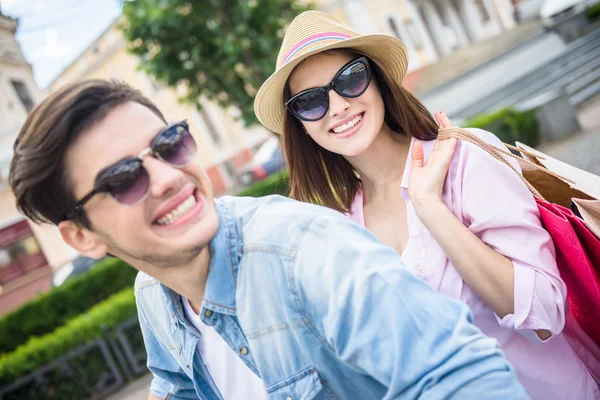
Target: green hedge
(593, 12)
(274, 184)
(509, 125)
(52, 309)
(80, 330)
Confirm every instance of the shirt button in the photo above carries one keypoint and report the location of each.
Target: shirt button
(289, 398)
(243, 350)
(208, 313)
(421, 270)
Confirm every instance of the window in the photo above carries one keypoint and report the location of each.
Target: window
(212, 131)
(483, 12)
(394, 27)
(414, 34)
(19, 252)
(23, 94)
(231, 171)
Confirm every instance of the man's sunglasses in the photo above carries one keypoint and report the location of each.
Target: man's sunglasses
(350, 81)
(128, 181)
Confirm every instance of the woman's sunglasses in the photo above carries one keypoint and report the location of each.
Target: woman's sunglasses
(350, 81)
(128, 181)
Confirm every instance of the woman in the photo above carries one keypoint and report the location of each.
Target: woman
(356, 141)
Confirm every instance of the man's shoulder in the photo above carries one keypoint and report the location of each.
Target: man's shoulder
(274, 219)
(273, 206)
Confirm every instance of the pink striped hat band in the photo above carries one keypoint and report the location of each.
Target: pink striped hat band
(313, 42)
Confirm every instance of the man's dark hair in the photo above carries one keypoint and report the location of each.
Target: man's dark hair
(37, 175)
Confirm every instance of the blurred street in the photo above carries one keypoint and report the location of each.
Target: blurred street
(136, 390)
(583, 148)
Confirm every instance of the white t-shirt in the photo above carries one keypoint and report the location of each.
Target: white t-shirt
(233, 378)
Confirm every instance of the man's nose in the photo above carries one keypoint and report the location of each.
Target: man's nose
(163, 176)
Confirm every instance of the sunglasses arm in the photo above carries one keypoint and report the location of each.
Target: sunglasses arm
(79, 206)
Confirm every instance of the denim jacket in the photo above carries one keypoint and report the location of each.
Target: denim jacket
(319, 309)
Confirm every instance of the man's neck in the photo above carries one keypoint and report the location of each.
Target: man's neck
(188, 280)
(191, 282)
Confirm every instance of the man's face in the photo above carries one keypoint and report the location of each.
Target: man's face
(171, 225)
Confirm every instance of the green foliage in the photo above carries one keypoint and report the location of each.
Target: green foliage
(80, 330)
(222, 50)
(509, 125)
(593, 12)
(52, 309)
(274, 184)
(88, 370)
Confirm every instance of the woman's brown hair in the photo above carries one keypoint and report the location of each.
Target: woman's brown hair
(322, 177)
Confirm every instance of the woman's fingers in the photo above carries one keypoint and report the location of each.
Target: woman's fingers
(443, 120)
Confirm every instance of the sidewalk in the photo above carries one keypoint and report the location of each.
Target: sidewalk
(136, 390)
(581, 149)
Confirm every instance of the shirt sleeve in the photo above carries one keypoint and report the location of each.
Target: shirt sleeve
(388, 324)
(168, 380)
(500, 210)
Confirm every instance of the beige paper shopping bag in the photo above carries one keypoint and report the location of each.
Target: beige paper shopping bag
(583, 188)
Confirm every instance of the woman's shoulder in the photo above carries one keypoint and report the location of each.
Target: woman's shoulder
(468, 150)
(484, 135)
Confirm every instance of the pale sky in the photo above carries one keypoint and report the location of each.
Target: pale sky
(52, 33)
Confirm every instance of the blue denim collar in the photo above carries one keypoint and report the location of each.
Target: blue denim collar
(225, 256)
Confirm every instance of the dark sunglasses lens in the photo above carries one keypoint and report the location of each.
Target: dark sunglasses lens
(311, 106)
(353, 81)
(128, 182)
(175, 145)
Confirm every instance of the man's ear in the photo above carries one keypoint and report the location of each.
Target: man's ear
(83, 240)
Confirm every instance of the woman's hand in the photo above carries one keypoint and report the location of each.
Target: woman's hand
(427, 181)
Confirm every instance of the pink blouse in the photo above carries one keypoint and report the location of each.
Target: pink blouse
(495, 205)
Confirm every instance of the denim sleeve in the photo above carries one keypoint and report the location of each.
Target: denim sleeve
(168, 380)
(388, 324)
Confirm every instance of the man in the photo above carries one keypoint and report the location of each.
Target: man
(306, 299)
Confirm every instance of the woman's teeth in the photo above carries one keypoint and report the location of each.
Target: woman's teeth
(178, 212)
(347, 126)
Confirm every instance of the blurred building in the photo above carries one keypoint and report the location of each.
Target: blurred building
(27, 251)
(430, 29)
(224, 144)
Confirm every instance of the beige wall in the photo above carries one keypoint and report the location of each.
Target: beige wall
(12, 115)
(12, 111)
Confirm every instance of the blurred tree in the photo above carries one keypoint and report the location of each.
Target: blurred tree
(220, 49)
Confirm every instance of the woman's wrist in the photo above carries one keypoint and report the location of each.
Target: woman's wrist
(430, 210)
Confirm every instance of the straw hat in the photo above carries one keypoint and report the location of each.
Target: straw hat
(313, 32)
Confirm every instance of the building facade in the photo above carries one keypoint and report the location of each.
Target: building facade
(28, 252)
(430, 29)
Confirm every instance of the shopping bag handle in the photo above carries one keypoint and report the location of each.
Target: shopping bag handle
(465, 135)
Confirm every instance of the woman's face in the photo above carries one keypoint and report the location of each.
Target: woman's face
(363, 115)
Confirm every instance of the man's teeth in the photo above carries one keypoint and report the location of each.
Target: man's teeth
(347, 126)
(178, 212)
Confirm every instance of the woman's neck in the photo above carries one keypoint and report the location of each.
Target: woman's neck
(381, 166)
